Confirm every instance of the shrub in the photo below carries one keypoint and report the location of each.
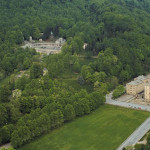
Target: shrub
(118, 91)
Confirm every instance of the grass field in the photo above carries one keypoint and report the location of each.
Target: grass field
(104, 129)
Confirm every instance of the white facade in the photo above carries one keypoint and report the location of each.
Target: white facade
(147, 92)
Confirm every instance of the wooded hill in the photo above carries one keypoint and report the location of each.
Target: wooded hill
(118, 36)
(121, 25)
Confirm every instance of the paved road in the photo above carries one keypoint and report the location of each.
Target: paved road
(125, 104)
(141, 130)
(136, 135)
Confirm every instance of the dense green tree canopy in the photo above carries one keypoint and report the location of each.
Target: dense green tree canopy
(113, 36)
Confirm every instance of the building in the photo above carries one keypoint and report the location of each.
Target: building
(147, 92)
(46, 47)
(85, 45)
(137, 85)
(60, 41)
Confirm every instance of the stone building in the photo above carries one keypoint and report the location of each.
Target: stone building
(60, 41)
(137, 85)
(147, 92)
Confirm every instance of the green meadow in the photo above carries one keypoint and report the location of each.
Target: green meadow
(104, 129)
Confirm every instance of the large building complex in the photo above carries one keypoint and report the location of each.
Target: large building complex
(138, 85)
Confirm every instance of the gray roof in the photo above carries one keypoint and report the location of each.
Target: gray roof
(138, 80)
(148, 83)
(135, 82)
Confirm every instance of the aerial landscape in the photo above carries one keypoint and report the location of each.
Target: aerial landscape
(74, 75)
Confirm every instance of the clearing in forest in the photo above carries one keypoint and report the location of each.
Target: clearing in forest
(105, 129)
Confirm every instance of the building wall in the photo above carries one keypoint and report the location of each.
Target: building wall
(130, 89)
(140, 88)
(147, 93)
(134, 89)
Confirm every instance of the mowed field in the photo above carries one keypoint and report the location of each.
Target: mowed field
(104, 129)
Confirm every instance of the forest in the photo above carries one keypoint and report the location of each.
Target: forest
(117, 34)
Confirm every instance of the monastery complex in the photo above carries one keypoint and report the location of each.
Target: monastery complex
(139, 85)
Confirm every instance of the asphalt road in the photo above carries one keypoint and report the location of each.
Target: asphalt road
(109, 100)
(141, 130)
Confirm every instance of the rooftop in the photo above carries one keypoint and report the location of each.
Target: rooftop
(148, 84)
(135, 82)
(138, 80)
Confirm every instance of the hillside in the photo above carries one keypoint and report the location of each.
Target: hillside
(123, 26)
(117, 35)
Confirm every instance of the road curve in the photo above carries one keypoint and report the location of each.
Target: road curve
(109, 100)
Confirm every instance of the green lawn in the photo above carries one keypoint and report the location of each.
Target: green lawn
(104, 129)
